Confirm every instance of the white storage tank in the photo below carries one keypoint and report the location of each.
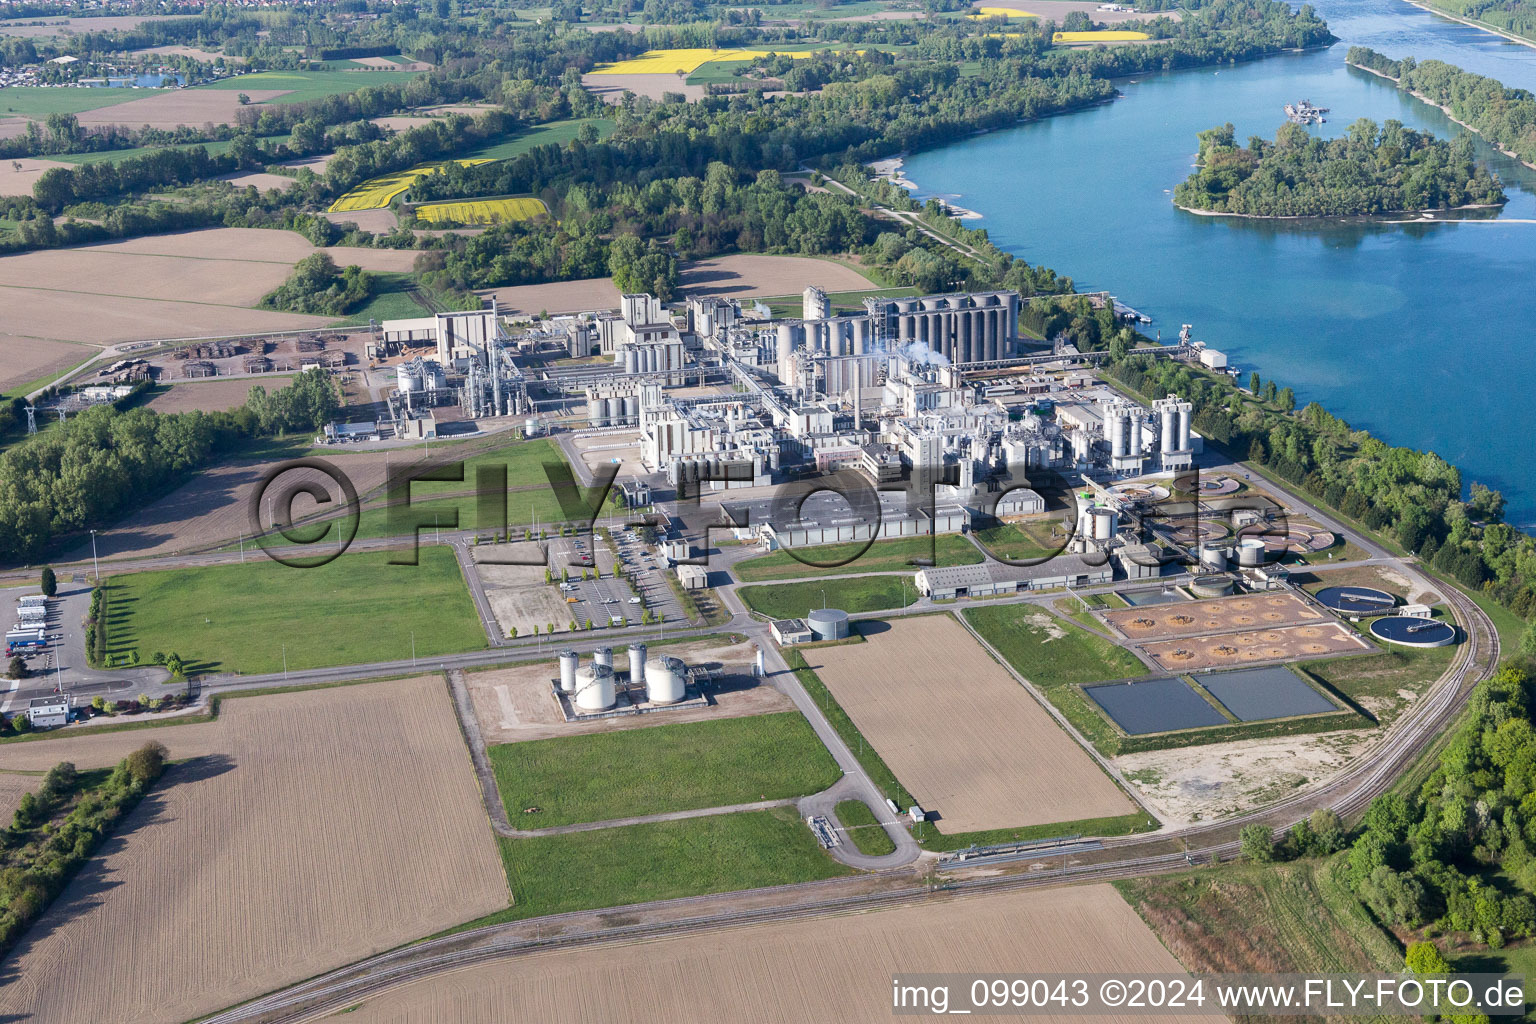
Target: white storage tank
(597, 412)
(631, 360)
(631, 409)
(1104, 523)
(1213, 556)
(594, 688)
(407, 379)
(532, 427)
(1250, 552)
(603, 656)
(666, 681)
(568, 664)
(636, 663)
(828, 623)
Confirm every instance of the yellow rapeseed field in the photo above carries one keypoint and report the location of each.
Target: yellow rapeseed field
(1106, 36)
(669, 62)
(482, 211)
(1000, 12)
(376, 193)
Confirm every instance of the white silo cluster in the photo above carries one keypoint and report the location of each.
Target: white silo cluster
(1123, 430)
(595, 687)
(1173, 437)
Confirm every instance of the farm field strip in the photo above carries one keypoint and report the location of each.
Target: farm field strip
(378, 193)
(963, 736)
(671, 61)
(327, 826)
(798, 970)
(482, 211)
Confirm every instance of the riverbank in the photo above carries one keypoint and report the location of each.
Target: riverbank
(1350, 218)
(1443, 109)
(1473, 23)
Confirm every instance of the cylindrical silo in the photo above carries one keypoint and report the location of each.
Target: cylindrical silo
(1117, 433)
(406, 379)
(786, 348)
(631, 409)
(636, 663)
(666, 681)
(594, 688)
(1103, 523)
(1169, 441)
(1213, 556)
(1133, 438)
(597, 412)
(1184, 444)
(860, 335)
(631, 360)
(568, 665)
(1250, 552)
(603, 656)
(828, 623)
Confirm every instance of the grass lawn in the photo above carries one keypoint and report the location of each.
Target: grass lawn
(1120, 825)
(1021, 541)
(881, 556)
(304, 86)
(554, 133)
(1056, 656)
(239, 618)
(1298, 917)
(662, 860)
(389, 301)
(1374, 681)
(863, 829)
(607, 775)
(850, 593)
(40, 101)
(1072, 607)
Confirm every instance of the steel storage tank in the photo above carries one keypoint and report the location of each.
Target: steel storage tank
(615, 411)
(568, 665)
(828, 623)
(597, 412)
(594, 688)
(1250, 552)
(1211, 586)
(631, 409)
(603, 656)
(1104, 522)
(636, 663)
(1213, 556)
(666, 681)
(532, 427)
(406, 379)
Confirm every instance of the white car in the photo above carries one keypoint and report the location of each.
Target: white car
(634, 600)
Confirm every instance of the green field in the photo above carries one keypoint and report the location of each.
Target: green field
(1055, 656)
(863, 829)
(213, 148)
(1373, 681)
(304, 86)
(1072, 607)
(239, 618)
(850, 593)
(881, 556)
(662, 860)
(554, 133)
(40, 101)
(389, 300)
(1021, 541)
(608, 775)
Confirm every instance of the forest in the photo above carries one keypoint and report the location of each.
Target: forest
(1505, 117)
(1372, 170)
(104, 461)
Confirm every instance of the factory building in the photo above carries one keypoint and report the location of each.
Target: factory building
(994, 578)
(48, 712)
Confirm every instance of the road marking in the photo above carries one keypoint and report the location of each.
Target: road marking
(6, 706)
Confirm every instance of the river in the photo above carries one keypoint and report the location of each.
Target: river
(1422, 334)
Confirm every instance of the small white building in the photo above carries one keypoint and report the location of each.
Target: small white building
(693, 577)
(48, 712)
(790, 631)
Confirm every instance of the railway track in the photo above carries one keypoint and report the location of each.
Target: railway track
(1349, 795)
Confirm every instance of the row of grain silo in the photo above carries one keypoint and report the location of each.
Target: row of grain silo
(616, 411)
(595, 686)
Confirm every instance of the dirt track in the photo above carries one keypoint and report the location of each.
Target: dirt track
(960, 733)
(748, 274)
(836, 968)
(329, 825)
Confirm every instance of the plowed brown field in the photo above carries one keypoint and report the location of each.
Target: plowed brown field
(331, 825)
(960, 733)
(836, 969)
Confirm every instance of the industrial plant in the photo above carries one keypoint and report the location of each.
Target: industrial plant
(598, 690)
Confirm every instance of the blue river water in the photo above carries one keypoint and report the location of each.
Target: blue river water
(1424, 334)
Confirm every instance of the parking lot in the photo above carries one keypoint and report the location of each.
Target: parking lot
(606, 599)
(646, 567)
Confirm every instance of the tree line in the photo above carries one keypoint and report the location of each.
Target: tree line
(105, 462)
